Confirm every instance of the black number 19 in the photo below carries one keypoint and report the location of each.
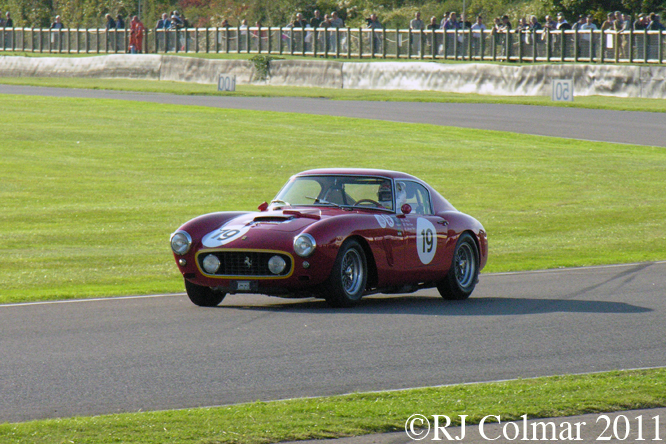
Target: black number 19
(428, 240)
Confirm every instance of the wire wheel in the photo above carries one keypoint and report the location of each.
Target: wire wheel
(463, 275)
(346, 284)
(353, 274)
(465, 265)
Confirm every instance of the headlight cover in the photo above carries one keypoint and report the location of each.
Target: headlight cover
(304, 245)
(276, 264)
(211, 264)
(181, 242)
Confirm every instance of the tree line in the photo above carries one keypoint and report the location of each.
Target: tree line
(392, 13)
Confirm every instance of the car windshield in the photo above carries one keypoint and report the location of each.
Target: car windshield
(341, 191)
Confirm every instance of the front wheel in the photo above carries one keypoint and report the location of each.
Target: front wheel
(463, 275)
(203, 296)
(346, 284)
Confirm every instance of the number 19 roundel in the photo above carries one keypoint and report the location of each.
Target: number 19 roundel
(426, 240)
(224, 235)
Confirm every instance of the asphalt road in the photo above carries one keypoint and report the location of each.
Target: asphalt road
(639, 128)
(151, 353)
(161, 352)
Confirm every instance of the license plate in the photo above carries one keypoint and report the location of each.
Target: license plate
(243, 286)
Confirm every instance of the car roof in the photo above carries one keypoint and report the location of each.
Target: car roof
(357, 172)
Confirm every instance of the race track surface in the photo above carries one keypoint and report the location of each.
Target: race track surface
(640, 128)
(160, 352)
(152, 353)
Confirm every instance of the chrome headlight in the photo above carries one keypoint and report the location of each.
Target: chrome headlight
(181, 242)
(211, 264)
(304, 245)
(276, 264)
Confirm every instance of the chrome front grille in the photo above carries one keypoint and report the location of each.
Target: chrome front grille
(246, 263)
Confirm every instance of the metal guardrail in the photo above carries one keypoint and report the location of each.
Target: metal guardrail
(467, 45)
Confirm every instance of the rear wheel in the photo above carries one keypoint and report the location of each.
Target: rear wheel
(346, 284)
(203, 296)
(463, 275)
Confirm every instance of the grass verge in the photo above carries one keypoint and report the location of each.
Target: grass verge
(591, 102)
(355, 414)
(90, 190)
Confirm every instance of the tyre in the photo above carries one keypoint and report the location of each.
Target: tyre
(346, 284)
(463, 275)
(203, 296)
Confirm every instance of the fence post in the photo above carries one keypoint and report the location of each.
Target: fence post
(660, 51)
(409, 45)
(469, 44)
(314, 42)
(337, 43)
(631, 45)
(563, 46)
(303, 41)
(383, 43)
(360, 43)
(433, 43)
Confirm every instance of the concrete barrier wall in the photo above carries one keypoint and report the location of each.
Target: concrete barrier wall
(191, 69)
(145, 67)
(312, 73)
(531, 80)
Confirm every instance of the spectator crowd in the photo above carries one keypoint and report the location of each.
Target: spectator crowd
(615, 21)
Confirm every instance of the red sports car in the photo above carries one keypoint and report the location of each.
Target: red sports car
(338, 234)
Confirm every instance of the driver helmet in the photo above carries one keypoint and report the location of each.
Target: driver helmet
(385, 196)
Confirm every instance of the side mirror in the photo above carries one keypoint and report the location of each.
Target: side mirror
(406, 209)
(263, 206)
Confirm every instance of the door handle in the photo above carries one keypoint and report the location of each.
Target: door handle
(443, 222)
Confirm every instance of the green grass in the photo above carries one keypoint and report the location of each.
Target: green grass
(592, 102)
(90, 190)
(357, 414)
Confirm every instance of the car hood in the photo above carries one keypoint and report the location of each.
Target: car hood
(262, 223)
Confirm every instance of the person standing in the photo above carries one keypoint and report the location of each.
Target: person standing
(8, 23)
(586, 30)
(655, 23)
(57, 24)
(477, 29)
(416, 24)
(316, 20)
(55, 36)
(374, 24)
(136, 35)
(433, 38)
(337, 23)
(110, 22)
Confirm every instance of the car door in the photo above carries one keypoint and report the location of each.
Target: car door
(424, 234)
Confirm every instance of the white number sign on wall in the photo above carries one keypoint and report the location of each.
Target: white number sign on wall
(226, 83)
(563, 90)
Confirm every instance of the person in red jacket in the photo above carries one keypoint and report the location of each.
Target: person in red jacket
(136, 35)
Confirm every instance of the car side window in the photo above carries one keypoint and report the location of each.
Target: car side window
(418, 198)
